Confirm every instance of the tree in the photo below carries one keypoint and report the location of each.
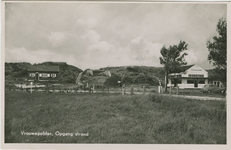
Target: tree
(173, 58)
(218, 50)
(112, 81)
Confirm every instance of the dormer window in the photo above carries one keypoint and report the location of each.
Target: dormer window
(45, 75)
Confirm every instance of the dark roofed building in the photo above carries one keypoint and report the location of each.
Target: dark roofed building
(43, 73)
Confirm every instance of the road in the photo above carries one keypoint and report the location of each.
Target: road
(183, 96)
(198, 97)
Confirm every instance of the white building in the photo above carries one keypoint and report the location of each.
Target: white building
(192, 76)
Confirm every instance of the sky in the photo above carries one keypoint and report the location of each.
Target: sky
(96, 35)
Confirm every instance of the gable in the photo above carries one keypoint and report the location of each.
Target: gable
(196, 70)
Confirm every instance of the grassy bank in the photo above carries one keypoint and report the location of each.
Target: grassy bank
(113, 118)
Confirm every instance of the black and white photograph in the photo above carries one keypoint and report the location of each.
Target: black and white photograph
(114, 72)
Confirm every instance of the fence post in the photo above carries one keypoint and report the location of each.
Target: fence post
(31, 87)
(132, 90)
(170, 90)
(144, 89)
(123, 89)
(177, 90)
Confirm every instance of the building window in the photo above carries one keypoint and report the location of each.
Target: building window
(176, 81)
(201, 81)
(32, 75)
(53, 75)
(190, 81)
(196, 75)
(45, 75)
(172, 81)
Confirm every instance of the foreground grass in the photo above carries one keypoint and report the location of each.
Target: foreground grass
(113, 118)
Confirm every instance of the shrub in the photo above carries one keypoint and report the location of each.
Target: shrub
(112, 81)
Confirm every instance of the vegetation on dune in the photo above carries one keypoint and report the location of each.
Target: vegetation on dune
(135, 75)
(17, 73)
(113, 118)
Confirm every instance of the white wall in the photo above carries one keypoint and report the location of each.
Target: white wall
(184, 84)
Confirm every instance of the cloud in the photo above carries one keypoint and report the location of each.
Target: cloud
(91, 23)
(58, 38)
(102, 47)
(22, 54)
(88, 23)
(92, 36)
(101, 34)
(145, 50)
(43, 55)
(192, 57)
(109, 54)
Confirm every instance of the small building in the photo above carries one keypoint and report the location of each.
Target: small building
(43, 73)
(192, 76)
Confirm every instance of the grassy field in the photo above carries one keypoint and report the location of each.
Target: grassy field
(113, 118)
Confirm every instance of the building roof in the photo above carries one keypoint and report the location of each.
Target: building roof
(183, 69)
(43, 68)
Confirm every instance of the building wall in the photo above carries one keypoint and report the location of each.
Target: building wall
(184, 84)
(191, 85)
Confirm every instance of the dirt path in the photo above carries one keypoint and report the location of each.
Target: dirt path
(197, 97)
(183, 96)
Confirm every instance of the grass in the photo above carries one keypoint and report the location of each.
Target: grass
(113, 118)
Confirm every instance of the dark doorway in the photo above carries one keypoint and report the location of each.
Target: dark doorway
(195, 83)
(175, 82)
(36, 76)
